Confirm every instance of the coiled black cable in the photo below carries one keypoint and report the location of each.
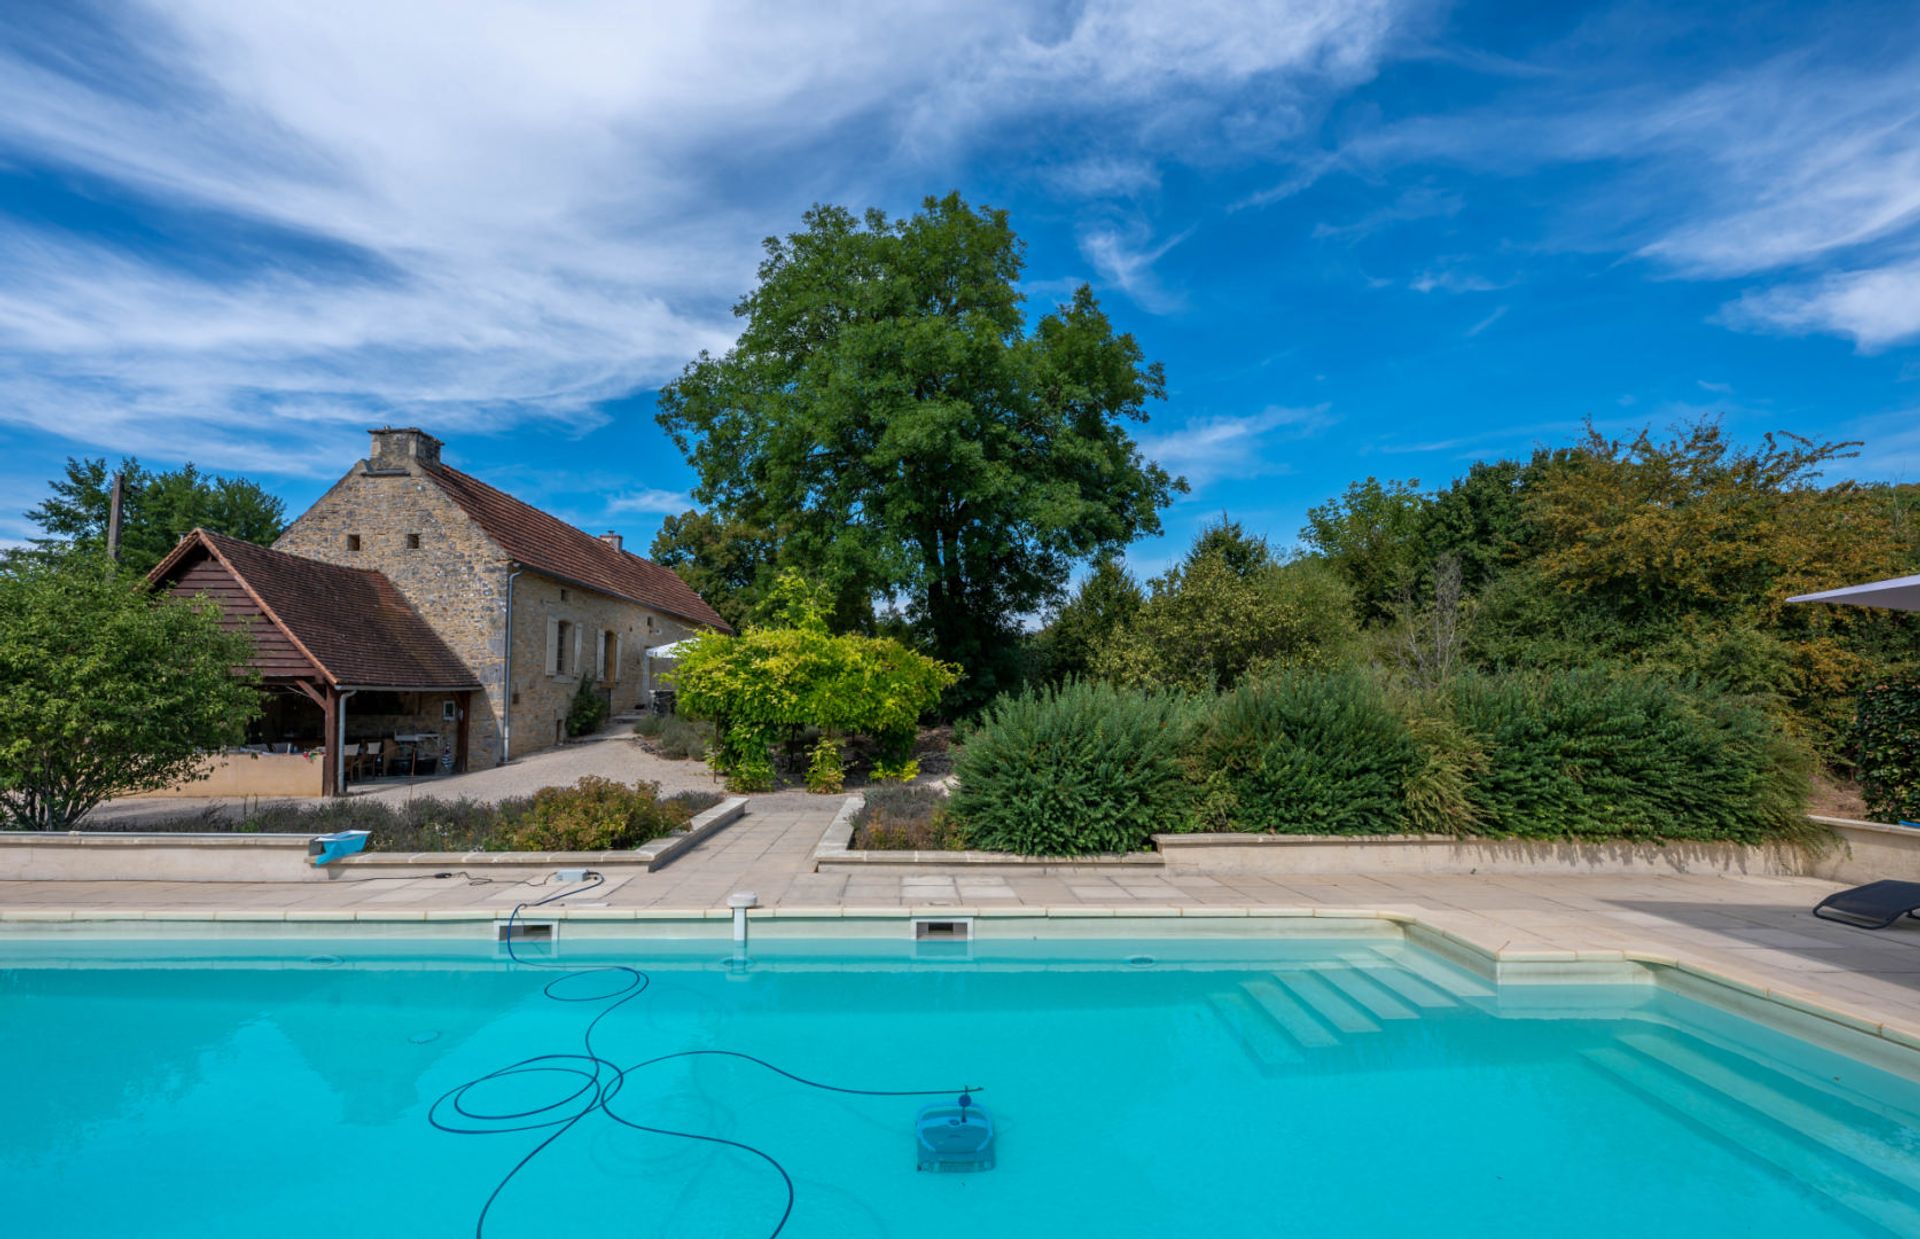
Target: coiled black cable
(601, 1079)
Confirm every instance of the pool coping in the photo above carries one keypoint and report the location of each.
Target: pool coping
(1886, 1044)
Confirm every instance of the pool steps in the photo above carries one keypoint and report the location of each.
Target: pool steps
(1763, 1119)
(1281, 1019)
(1252, 1028)
(1377, 999)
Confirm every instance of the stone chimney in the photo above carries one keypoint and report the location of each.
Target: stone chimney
(394, 446)
(612, 539)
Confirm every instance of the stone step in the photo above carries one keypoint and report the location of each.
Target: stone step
(1838, 1177)
(1399, 980)
(1360, 987)
(1253, 1030)
(1437, 972)
(1328, 1003)
(1289, 1015)
(1821, 1125)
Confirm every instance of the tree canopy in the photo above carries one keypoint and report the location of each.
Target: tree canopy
(1675, 553)
(157, 510)
(1230, 610)
(106, 689)
(890, 423)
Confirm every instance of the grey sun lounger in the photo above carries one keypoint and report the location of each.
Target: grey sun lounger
(1873, 906)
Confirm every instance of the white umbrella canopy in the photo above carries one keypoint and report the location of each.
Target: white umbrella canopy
(1902, 593)
(672, 649)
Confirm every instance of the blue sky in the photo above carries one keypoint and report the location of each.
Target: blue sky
(1366, 237)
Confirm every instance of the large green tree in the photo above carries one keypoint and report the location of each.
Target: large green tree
(157, 510)
(106, 688)
(901, 430)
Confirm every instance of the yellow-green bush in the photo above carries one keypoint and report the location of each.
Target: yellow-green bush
(771, 682)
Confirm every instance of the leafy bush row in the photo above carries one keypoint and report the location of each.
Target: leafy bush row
(593, 815)
(1573, 755)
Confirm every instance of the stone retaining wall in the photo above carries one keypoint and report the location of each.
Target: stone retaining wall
(1444, 854)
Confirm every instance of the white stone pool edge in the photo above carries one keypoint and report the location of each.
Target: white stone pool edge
(1886, 1045)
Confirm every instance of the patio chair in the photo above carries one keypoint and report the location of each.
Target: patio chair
(1873, 906)
(392, 753)
(360, 761)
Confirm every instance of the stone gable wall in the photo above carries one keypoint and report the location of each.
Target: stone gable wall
(542, 700)
(456, 578)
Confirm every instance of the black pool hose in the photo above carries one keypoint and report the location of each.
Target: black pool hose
(601, 1079)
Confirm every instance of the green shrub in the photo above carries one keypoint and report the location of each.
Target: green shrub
(595, 815)
(1613, 754)
(918, 819)
(650, 725)
(824, 771)
(769, 683)
(1082, 769)
(1304, 753)
(1886, 748)
(588, 709)
(1448, 762)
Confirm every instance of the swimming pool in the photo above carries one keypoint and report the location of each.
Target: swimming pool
(1166, 1088)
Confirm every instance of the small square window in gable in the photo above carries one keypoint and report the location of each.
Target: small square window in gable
(563, 593)
(353, 541)
(413, 541)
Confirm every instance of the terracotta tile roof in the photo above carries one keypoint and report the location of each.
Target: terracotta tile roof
(550, 545)
(353, 622)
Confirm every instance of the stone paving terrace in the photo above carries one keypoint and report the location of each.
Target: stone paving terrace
(1754, 930)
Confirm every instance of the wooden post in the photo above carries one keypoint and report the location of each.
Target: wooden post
(330, 711)
(113, 515)
(463, 706)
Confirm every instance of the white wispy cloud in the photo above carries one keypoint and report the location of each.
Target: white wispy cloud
(651, 501)
(1124, 257)
(492, 210)
(1750, 170)
(1877, 307)
(1498, 314)
(1208, 449)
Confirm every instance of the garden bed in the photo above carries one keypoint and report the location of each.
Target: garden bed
(592, 815)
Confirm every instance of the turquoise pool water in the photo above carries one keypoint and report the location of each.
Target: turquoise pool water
(1190, 1088)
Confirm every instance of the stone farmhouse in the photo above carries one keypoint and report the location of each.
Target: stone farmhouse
(416, 600)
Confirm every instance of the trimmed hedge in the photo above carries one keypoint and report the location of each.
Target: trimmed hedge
(1596, 754)
(1886, 747)
(1572, 755)
(1321, 754)
(1076, 770)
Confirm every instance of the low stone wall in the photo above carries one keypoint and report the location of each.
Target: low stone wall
(1858, 852)
(651, 855)
(252, 774)
(833, 855)
(1867, 852)
(1444, 854)
(113, 857)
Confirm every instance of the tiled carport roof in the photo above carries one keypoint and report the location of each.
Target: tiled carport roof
(548, 544)
(351, 622)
